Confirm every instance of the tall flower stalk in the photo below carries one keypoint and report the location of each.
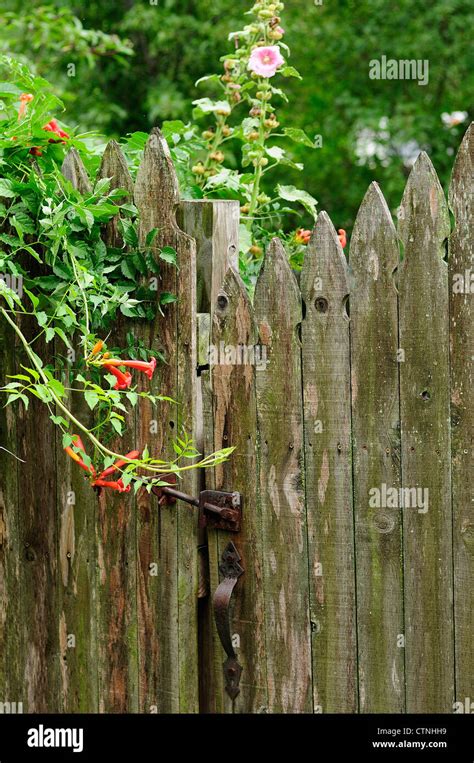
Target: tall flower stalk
(259, 56)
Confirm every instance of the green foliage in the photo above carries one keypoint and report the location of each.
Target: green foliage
(72, 284)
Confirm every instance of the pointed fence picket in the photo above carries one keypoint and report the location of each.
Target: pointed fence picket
(327, 411)
(461, 294)
(374, 258)
(338, 395)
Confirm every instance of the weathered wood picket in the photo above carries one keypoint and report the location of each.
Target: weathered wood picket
(346, 397)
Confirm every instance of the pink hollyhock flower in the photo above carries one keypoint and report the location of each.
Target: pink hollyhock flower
(266, 61)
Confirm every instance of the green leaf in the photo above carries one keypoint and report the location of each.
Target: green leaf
(126, 478)
(57, 387)
(42, 319)
(166, 298)
(59, 421)
(117, 425)
(275, 152)
(91, 399)
(67, 440)
(34, 299)
(207, 78)
(132, 397)
(150, 236)
(207, 106)
(290, 71)
(168, 254)
(6, 189)
(298, 136)
(290, 193)
(128, 269)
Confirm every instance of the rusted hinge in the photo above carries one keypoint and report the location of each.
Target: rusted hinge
(217, 509)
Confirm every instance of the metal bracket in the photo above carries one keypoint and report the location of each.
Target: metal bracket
(231, 569)
(217, 509)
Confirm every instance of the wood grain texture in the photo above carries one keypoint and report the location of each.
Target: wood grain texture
(280, 429)
(77, 512)
(39, 528)
(214, 224)
(12, 551)
(425, 431)
(116, 524)
(374, 256)
(327, 427)
(461, 290)
(167, 602)
(234, 425)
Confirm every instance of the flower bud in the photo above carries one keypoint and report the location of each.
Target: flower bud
(245, 209)
(208, 134)
(271, 123)
(275, 34)
(255, 111)
(236, 97)
(198, 169)
(217, 156)
(226, 131)
(254, 135)
(229, 64)
(257, 251)
(265, 13)
(263, 161)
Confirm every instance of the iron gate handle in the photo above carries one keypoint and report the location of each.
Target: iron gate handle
(217, 509)
(231, 571)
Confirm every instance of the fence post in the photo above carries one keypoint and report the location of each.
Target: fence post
(425, 431)
(461, 292)
(77, 555)
(328, 479)
(167, 537)
(214, 224)
(374, 256)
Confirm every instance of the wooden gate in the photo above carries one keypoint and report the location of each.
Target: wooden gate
(345, 395)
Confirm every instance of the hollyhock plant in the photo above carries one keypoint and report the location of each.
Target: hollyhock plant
(266, 61)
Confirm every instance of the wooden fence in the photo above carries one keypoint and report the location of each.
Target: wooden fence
(359, 391)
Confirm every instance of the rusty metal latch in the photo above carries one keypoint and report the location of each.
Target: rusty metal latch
(217, 510)
(231, 569)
